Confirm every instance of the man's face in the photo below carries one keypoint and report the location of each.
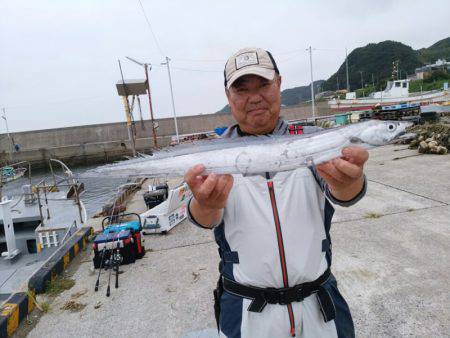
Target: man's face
(255, 103)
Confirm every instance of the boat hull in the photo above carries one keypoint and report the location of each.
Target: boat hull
(369, 103)
(17, 175)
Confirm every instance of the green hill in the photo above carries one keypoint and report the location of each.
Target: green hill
(375, 62)
(440, 50)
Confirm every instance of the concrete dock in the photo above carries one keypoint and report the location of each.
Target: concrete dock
(390, 256)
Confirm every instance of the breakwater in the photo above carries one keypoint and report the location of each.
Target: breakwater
(101, 143)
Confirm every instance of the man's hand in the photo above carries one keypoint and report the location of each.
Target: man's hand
(344, 175)
(210, 194)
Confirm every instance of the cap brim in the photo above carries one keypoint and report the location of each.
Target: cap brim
(266, 73)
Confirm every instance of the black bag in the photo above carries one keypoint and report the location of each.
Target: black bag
(218, 291)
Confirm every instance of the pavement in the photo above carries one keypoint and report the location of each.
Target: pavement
(390, 256)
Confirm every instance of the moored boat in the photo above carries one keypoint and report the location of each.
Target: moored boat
(396, 92)
(12, 172)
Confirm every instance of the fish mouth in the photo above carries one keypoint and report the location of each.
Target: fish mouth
(405, 135)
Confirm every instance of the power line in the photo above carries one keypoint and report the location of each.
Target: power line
(198, 70)
(200, 60)
(151, 30)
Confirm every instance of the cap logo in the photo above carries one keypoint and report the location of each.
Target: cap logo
(246, 59)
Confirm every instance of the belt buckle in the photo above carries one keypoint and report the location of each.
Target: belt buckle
(285, 296)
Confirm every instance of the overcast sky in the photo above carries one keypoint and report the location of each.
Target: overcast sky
(58, 59)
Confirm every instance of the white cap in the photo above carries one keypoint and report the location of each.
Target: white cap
(255, 61)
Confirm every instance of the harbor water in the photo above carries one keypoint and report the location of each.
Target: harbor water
(98, 190)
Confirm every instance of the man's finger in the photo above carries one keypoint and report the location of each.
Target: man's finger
(205, 190)
(331, 170)
(227, 188)
(191, 175)
(349, 169)
(356, 155)
(328, 178)
(221, 183)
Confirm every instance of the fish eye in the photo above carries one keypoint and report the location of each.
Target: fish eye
(391, 127)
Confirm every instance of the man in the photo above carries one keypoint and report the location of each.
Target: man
(273, 229)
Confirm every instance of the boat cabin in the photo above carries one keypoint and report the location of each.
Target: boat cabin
(397, 88)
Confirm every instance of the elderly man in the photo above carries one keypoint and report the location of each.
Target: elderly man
(273, 230)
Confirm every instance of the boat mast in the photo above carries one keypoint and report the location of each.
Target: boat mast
(312, 83)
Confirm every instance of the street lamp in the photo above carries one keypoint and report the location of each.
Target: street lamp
(312, 82)
(171, 93)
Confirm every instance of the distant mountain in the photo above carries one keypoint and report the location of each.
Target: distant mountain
(292, 96)
(440, 50)
(375, 62)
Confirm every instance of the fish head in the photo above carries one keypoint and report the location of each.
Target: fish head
(379, 133)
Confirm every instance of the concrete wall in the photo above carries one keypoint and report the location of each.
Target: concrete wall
(106, 142)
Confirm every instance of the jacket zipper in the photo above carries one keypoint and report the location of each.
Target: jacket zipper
(281, 251)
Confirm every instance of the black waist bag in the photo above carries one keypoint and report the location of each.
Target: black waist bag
(218, 291)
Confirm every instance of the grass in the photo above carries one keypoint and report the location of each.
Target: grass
(73, 306)
(372, 215)
(45, 307)
(58, 285)
(414, 86)
(366, 91)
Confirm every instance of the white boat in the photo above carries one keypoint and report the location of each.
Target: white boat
(396, 92)
(34, 224)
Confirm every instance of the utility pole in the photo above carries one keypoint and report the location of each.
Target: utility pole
(145, 65)
(346, 69)
(128, 113)
(337, 81)
(362, 82)
(373, 82)
(312, 83)
(11, 143)
(173, 102)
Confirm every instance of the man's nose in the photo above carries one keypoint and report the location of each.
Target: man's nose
(255, 97)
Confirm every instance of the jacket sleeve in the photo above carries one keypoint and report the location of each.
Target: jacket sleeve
(192, 219)
(326, 190)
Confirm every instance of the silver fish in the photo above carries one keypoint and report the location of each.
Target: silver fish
(257, 154)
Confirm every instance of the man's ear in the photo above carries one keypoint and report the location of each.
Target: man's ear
(279, 80)
(227, 93)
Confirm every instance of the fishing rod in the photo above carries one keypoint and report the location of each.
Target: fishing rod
(117, 260)
(114, 262)
(103, 255)
(100, 269)
(112, 249)
(109, 275)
